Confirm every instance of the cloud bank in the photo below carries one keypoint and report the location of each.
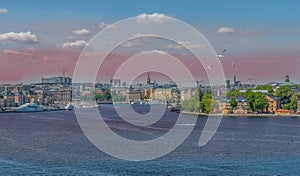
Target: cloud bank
(25, 37)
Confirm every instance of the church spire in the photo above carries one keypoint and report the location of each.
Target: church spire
(148, 79)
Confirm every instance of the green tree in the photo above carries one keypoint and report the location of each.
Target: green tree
(200, 94)
(233, 103)
(193, 104)
(284, 93)
(207, 103)
(293, 102)
(234, 93)
(260, 103)
(104, 96)
(250, 96)
(118, 98)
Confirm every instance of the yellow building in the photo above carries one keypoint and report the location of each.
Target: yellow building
(283, 112)
(241, 108)
(148, 94)
(298, 107)
(274, 103)
(171, 95)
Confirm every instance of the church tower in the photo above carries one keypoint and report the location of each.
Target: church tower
(148, 79)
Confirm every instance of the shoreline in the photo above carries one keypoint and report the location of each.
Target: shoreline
(239, 115)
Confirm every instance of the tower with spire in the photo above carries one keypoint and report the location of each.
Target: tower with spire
(148, 79)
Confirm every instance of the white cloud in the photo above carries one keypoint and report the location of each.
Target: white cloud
(3, 11)
(26, 37)
(82, 31)
(182, 44)
(144, 35)
(25, 52)
(71, 37)
(75, 44)
(129, 44)
(225, 30)
(155, 51)
(103, 25)
(153, 18)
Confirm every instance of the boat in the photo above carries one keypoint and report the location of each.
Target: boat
(174, 108)
(29, 107)
(70, 107)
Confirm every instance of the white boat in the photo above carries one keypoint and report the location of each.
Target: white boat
(29, 107)
(70, 107)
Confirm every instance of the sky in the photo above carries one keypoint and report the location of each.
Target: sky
(41, 38)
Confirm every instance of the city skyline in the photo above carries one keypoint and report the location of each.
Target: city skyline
(40, 39)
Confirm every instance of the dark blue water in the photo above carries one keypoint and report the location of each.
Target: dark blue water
(52, 143)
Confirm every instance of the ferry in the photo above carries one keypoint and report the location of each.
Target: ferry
(29, 107)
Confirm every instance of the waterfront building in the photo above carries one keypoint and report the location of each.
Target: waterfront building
(187, 93)
(148, 93)
(134, 95)
(298, 107)
(283, 112)
(61, 96)
(9, 99)
(170, 95)
(241, 108)
(118, 91)
(19, 96)
(274, 103)
(1, 101)
(36, 96)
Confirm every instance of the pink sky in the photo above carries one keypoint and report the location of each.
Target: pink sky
(30, 64)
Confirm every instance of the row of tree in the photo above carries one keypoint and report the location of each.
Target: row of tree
(200, 102)
(256, 100)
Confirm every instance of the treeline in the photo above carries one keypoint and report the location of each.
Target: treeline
(200, 102)
(256, 101)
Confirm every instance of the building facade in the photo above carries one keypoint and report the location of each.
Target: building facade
(274, 103)
(134, 95)
(57, 80)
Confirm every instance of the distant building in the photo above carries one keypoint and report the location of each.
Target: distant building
(115, 82)
(118, 91)
(170, 95)
(1, 101)
(283, 112)
(9, 99)
(134, 96)
(241, 108)
(148, 94)
(298, 107)
(149, 83)
(187, 93)
(19, 96)
(228, 84)
(61, 96)
(57, 80)
(287, 81)
(261, 91)
(274, 103)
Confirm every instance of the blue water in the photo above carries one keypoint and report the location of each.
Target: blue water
(52, 143)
